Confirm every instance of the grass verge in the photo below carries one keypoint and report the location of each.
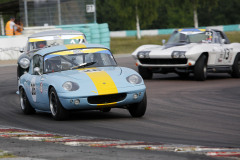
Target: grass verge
(4, 154)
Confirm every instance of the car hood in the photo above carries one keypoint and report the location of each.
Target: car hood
(166, 51)
(101, 80)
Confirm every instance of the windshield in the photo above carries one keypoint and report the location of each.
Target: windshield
(78, 58)
(48, 41)
(190, 37)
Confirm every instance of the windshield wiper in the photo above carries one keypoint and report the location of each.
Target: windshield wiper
(83, 65)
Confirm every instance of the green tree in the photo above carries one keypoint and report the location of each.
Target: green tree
(199, 4)
(129, 14)
(178, 13)
(136, 12)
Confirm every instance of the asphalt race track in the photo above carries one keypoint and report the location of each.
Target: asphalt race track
(180, 111)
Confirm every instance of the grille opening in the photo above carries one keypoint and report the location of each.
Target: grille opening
(164, 61)
(107, 98)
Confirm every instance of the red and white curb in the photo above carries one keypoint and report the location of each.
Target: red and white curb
(23, 134)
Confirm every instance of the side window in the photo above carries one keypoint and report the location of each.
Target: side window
(220, 38)
(38, 62)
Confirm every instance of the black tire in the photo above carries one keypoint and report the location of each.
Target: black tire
(105, 110)
(145, 72)
(236, 67)
(56, 108)
(24, 103)
(138, 109)
(200, 69)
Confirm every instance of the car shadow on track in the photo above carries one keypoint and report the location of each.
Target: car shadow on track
(218, 76)
(88, 115)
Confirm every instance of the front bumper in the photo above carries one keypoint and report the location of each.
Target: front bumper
(160, 62)
(85, 104)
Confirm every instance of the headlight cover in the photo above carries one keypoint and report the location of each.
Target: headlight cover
(178, 54)
(70, 86)
(24, 63)
(143, 54)
(134, 79)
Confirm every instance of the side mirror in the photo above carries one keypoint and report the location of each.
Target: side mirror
(163, 41)
(21, 50)
(223, 41)
(37, 70)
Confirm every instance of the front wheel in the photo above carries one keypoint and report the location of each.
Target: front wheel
(145, 72)
(200, 69)
(57, 110)
(236, 67)
(24, 103)
(138, 109)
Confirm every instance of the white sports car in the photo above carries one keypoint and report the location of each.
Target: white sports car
(196, 51)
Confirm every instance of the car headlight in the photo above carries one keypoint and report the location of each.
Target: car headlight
(134, 79)
(24, 63)
(70, 86)
(143, 54)
(178, 54)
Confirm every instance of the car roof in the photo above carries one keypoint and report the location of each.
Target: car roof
(55, 32)
(59, 48)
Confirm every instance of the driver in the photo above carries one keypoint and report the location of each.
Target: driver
(41, 44)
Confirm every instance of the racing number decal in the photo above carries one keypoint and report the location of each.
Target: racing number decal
(33, 89)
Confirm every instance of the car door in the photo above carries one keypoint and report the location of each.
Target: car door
(226, 55)
(228, 51)
(36, 83)
(215, 48)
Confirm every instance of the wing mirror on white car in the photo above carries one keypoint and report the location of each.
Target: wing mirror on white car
(21, 50)
(163, 41)
(223, 41)
(37, 70)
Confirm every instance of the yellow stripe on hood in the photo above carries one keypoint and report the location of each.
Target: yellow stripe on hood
(103, 82)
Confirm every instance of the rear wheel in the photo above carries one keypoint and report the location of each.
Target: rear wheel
(236, 67)
(138, 109)
(200, 69)
(24, 103)
(57, 110)
(145, 72)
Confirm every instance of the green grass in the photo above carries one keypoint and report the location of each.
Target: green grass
(233, 36)
(6, 155)
(129, 44)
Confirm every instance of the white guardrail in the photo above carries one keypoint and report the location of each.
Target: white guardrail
(10, 47)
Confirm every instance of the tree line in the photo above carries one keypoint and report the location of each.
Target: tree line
(158, 14)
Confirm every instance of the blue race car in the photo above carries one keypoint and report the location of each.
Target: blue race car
(80, 77)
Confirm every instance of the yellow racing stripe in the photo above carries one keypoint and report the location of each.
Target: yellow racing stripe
(63, 53)
(103, 82)
(78, 37)
(75, 46)
(106, 105)
(93, 50)
(35, 40)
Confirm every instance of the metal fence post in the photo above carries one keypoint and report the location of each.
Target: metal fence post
(26, 13)
(2, 24)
